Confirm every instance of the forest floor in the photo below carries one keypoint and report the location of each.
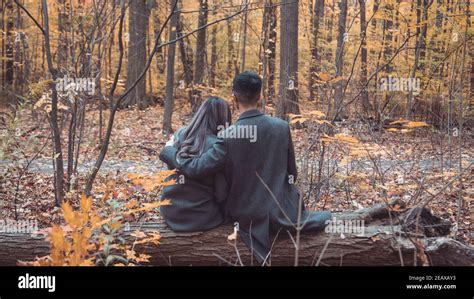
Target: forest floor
(419, 167)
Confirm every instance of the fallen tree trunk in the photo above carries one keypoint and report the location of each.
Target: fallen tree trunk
(384, 242)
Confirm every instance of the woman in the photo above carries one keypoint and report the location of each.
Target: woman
(196, 204)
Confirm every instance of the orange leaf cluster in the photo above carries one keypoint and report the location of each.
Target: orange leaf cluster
(152, 182)
(407, 126)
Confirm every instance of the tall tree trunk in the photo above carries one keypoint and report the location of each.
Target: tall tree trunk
(439, 14)
(288, 99)
(10, 38)
(329, 28)
(63, 28)
(21, 47)
(424, 33)
(272, 39)
(244, 40)
(338, 97)
(420, 49)
(214, 57)
(363, 60)
(138, 16)
(169, 98)
(2, 45)
(186, 54)
(160, 65)
(471, 55)
(201, 53)
(388, 24)
(230, 50)
(373, 23)
(269, 51)
(55, 130)
(316, 19)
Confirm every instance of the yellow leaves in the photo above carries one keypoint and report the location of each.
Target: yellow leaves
(341, 138)
(45, 104)
(133, 177)
(58, 246)
(85, 203)
(152, 182)
(364, 186)
(71, 243)
(150, 206)
(324, 76)
(68, 213)
(139, 258)
(109, 189)
(85, 239)
(138, 234)
(315, 115)
(395, 208)
(400, 121)
(346, 138)
(131, 204)
(130, 254)
(416, 124)
(150, 237)
(323, 121)
(327, 138)
(296, 118)
(406, 126)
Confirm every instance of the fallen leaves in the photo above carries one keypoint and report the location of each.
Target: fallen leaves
(152, 182)
(340, 138)
(406, 126)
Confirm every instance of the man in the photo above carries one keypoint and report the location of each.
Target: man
(260, 171)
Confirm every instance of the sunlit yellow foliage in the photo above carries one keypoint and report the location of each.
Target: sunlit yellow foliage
(315, 115)
(152, 182)
(77, 241)
(406, 126)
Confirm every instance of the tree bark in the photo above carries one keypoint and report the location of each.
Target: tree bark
(201, 54)
(63, 28)
(214, 56)
(54, 117)
(288, 92)
(21, 63)
(137, 55)
(272, 39)
(160, 65)
(9, 44)
(244, 40)
(378, 245)
(187, 61)
(341, 38)
(169, 99)
(315, 68)
(471, 55)
(363, 60)
(232, 67)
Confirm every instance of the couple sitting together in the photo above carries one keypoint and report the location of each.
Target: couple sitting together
(243, 173)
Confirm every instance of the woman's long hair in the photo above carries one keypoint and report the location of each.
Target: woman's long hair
(213, 115)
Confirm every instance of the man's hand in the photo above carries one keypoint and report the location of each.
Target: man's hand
(171, 141)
